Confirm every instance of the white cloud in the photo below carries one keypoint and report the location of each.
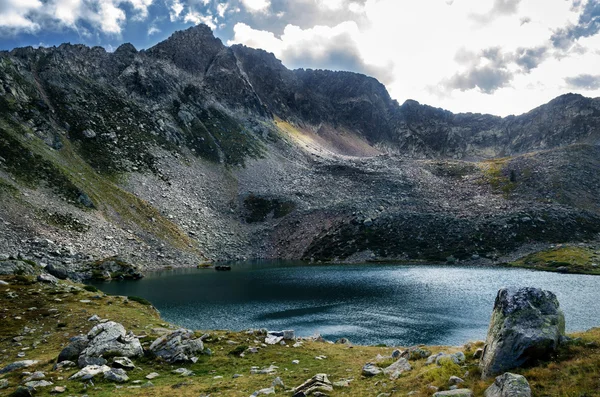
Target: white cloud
(175, 10)
(108, 16)
(257, 5)
(320, 47)
(437, 52)
(222, 8)
(196, 18)
(14, 14)
(153, 30)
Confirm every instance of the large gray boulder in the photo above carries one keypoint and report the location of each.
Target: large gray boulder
(509, 385)
(527, 325)
(110, 340)
(72, 351)
(176, 346)
(15, 266)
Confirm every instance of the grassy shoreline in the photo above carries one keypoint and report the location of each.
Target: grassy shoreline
(47, 315)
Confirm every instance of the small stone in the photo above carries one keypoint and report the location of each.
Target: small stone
(35, 384)
(47, 278)
(116, 375)
(58, 389)
(95, 317)
(152, 375)
(454, 393)
(370, 369)
(455, 380)
(396, 369)
(509, 385)
(123, 362)
(37, 375)
(478, 353)
(18, 365)
(272, 369)
(90, 371)
(268, 390)
(278, 382)
(183, 372)
(295, 361)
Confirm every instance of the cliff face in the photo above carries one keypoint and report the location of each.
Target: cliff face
(193, 150)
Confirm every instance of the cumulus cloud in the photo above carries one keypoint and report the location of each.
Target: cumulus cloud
(487, 78)
(107, 16)
(321, 47)
(530, 58)
(587, 25)
(197, 18)
(584, 81)
(492, 68)
(15, 14)
(499, 8)
(175, 10)
(256, 5)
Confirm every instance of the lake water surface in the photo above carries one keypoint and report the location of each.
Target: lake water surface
(368, 304)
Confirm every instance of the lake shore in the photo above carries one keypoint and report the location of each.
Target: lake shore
(39, 318)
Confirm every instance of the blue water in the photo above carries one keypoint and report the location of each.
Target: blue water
(368, 304)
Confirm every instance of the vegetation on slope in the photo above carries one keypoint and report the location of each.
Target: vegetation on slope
(34, 162)
(563, 259)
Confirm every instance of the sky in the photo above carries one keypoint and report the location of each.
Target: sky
(487, 56)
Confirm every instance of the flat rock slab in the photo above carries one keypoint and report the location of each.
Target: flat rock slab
(454, 393)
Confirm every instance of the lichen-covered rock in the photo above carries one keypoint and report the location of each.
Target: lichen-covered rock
(454, 393)
(14, 266)
(18, 365)
(36, 384)
(439, 358)
(179, 345)
(370, 369)
(47, 278)
(72, 351)
(509, 385)
(123, 362)
(318, 383)
(90, 371)
(396, 369)
(116, 375)
(109, 340)
(526, 325)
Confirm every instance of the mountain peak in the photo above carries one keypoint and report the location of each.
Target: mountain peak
(192, 49)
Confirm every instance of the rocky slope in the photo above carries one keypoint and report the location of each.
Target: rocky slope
(193, 151)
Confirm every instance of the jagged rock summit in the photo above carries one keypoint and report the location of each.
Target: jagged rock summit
(191, 151)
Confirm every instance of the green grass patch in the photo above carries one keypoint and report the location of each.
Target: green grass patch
(142, 301)
(567, 259)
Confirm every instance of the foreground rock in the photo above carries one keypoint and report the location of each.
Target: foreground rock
(527, 325)
(509, 385)
(318, 383)
(370, 369)
(90, 371)
(106, 340)
(177, 346)
(396, 369)
(18, 365)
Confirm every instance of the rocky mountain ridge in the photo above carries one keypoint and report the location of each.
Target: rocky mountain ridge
(193, 151)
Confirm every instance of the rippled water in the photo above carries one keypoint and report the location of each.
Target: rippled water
(369, 304)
